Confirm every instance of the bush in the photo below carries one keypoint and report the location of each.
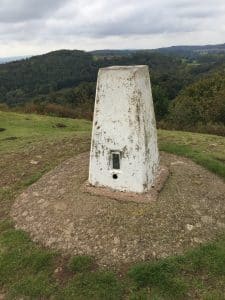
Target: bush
(202, 102)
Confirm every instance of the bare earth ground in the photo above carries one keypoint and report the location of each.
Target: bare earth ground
(189, 210)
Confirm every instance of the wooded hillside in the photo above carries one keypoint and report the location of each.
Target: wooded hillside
(187, 89)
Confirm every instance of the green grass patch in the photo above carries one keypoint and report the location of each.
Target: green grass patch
(146, 294)
(199, 270)
(204, 149)
(33, 287)
(5, 225)
(163, 275)
(213, 295)
(32, 179)
(22, 129)
(209, 258)
(96, 285)
(81, 263)
(21, 259)
(205, 160)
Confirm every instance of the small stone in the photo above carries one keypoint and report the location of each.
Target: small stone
(197, 240)
(164, 255)
(178, 162)
(198, 182)
(25, 213)
(189, 227)
(34, 162)
(57, 270)
(114, 250)
(116, 241)
(90, 231)
(41, 201)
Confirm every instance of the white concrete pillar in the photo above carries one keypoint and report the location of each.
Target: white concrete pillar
(124, 152)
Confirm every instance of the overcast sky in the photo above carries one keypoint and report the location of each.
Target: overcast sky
(30, 27)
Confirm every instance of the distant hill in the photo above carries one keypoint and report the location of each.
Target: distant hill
(4, 60)
(193, 51)
(200, 49)
(62, 82)
(24, 79)
(112, 53)
(205, 49)
(190, 51)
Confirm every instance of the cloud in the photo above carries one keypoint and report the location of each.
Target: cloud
(12, 11)
(86, 23)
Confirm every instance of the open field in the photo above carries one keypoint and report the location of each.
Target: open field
(30, 146)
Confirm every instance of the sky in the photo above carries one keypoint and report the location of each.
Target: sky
(30, 27)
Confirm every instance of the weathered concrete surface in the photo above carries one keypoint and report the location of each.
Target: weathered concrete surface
(189, 210)
(151, 195)
(124, 122)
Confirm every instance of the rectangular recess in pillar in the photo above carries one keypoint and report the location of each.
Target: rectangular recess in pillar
(115, 160)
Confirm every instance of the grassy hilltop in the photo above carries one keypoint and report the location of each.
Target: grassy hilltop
(31, 145)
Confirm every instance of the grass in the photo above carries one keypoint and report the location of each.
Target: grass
(198, 270)
(205, 150)
(81, 263)
(25, 268)
(98, 285)
(23, 129)
(163, 275)
(29, 271)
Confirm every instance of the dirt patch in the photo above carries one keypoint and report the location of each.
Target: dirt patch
(189, 210)
(61, 273)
